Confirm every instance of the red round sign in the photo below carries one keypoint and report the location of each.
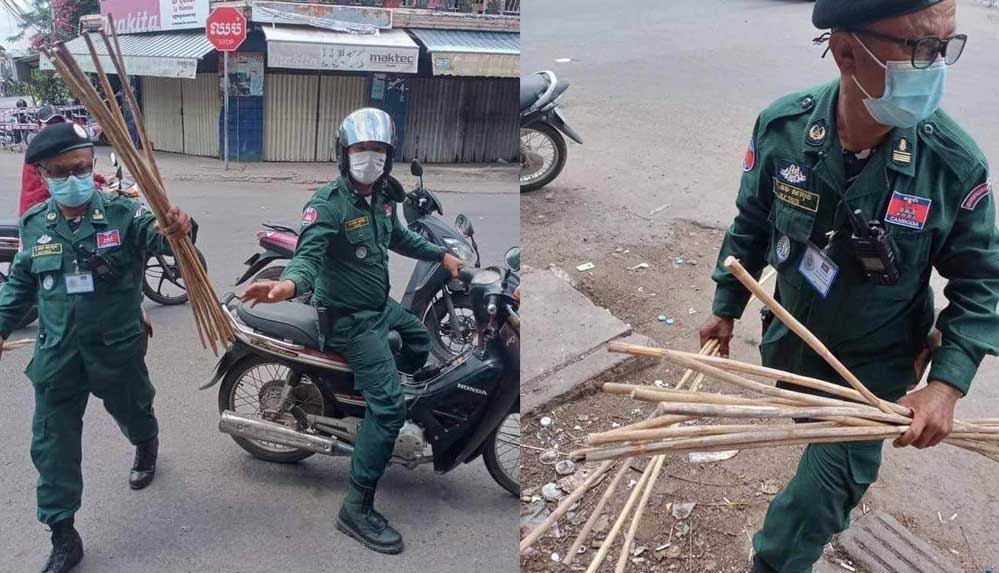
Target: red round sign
(226, 29)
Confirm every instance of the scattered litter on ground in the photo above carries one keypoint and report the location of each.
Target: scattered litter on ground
(953, 517)
(548, 457)
(679, 261)
(631, 483)
(565, 467)
(662, 318)
(562, 60)
(551, 492)
(846, 566)
(546, 422)
(659, 208)
(660, 384)
(770, 487)
(709, 457)
(939, 517)
(586, 267)
(670, 321)
(639, 266)
(556, 557)
(682, 510)
(638, 551)
(691, 310)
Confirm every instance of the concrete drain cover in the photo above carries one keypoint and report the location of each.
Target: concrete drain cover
(878, 542)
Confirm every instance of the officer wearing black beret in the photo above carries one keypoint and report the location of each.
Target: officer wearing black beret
(855, 191)
(82, 263)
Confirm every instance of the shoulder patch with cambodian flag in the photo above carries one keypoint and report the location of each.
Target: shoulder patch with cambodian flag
(108, 239)
(749, 160)
(976, 195)
(309, 216)
(908, 211)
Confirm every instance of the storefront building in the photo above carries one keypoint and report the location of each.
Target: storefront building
(453, 91)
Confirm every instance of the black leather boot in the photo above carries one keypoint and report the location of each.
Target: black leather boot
(144, 466)
(67, 548)
(358, 519)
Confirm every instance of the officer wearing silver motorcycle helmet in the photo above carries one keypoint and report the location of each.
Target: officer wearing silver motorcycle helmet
(347, 229)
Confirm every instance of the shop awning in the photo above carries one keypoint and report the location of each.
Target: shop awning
(166, 55)
(471, 53)
(313, 49)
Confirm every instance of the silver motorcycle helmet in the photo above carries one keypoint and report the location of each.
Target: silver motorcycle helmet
(363, 125)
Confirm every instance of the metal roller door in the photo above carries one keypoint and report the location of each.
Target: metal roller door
(162, 102)
(338, 96)
(290, 110)
(201, 117)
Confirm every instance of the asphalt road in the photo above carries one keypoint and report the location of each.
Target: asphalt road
(213, 508)
(665, 95)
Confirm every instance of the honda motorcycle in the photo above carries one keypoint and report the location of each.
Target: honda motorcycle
(283, 399)
(542, 146)
(443, 304)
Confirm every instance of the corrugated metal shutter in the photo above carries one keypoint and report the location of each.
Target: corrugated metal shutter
(162, 104)
(462, 120)
(201, 115)
(338, 96)
(290, 117)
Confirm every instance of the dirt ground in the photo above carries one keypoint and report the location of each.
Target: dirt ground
(731, 496)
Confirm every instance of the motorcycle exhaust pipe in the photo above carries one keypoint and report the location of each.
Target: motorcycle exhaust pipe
(254, 428)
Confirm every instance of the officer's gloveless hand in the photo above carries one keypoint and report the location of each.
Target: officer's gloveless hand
(178, 224)
(720, 328)
(932, 415)
(268, 291)
(453, 264)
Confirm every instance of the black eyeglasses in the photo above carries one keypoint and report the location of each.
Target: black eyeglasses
(60, 175)
(925, 50)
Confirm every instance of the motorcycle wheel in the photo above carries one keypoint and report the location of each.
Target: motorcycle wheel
(438, 323)
(254, 383)
(537, 169)
(167, 291)
(502, 454)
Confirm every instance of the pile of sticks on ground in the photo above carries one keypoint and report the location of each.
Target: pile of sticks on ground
(213, 326)
(841, 414)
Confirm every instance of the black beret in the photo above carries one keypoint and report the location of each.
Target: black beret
(56, 139)
(852, 13)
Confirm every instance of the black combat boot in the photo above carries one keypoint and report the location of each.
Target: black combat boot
(67, 548)
(144, 466)
(358, 519)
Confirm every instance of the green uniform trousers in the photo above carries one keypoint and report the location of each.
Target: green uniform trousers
(362, 339)
(830, 481)
(57, 427)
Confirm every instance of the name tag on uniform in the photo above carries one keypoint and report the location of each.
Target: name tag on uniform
(356, 223)
(79, 283)
(818, 270)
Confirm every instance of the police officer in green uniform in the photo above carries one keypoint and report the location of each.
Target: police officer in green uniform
(82, 262)
(854, 191)
(348, 227)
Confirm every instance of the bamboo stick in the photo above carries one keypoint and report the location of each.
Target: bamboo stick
(688, 431)
(619, 522)
(759, 438)
(16, 344)
(737, 270)
(597, 510)
(563, 507)
(743, 411)
(629, 538)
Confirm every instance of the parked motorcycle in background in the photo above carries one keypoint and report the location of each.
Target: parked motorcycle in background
(442, 303)
(542, 146)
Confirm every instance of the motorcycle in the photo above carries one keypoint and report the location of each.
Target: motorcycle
(10, 244)
(282, 399)
(442, 304)
(162, 282)
(542, 146)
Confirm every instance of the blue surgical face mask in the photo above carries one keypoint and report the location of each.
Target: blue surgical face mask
(911, 94)
(73, 191)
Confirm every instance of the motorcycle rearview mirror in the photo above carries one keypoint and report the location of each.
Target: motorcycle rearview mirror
(464, 225)
(512, 258)
(416, 168)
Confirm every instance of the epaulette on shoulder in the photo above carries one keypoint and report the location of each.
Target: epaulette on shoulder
(797, 103)
(953, 144)
(34, 210)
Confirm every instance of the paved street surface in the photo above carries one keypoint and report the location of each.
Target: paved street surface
(213, 508)
(665, 98)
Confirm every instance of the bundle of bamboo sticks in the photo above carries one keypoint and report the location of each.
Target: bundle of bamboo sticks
(213, 326)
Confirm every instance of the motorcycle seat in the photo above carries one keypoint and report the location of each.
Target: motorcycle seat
(292, 321)
(532, 87)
